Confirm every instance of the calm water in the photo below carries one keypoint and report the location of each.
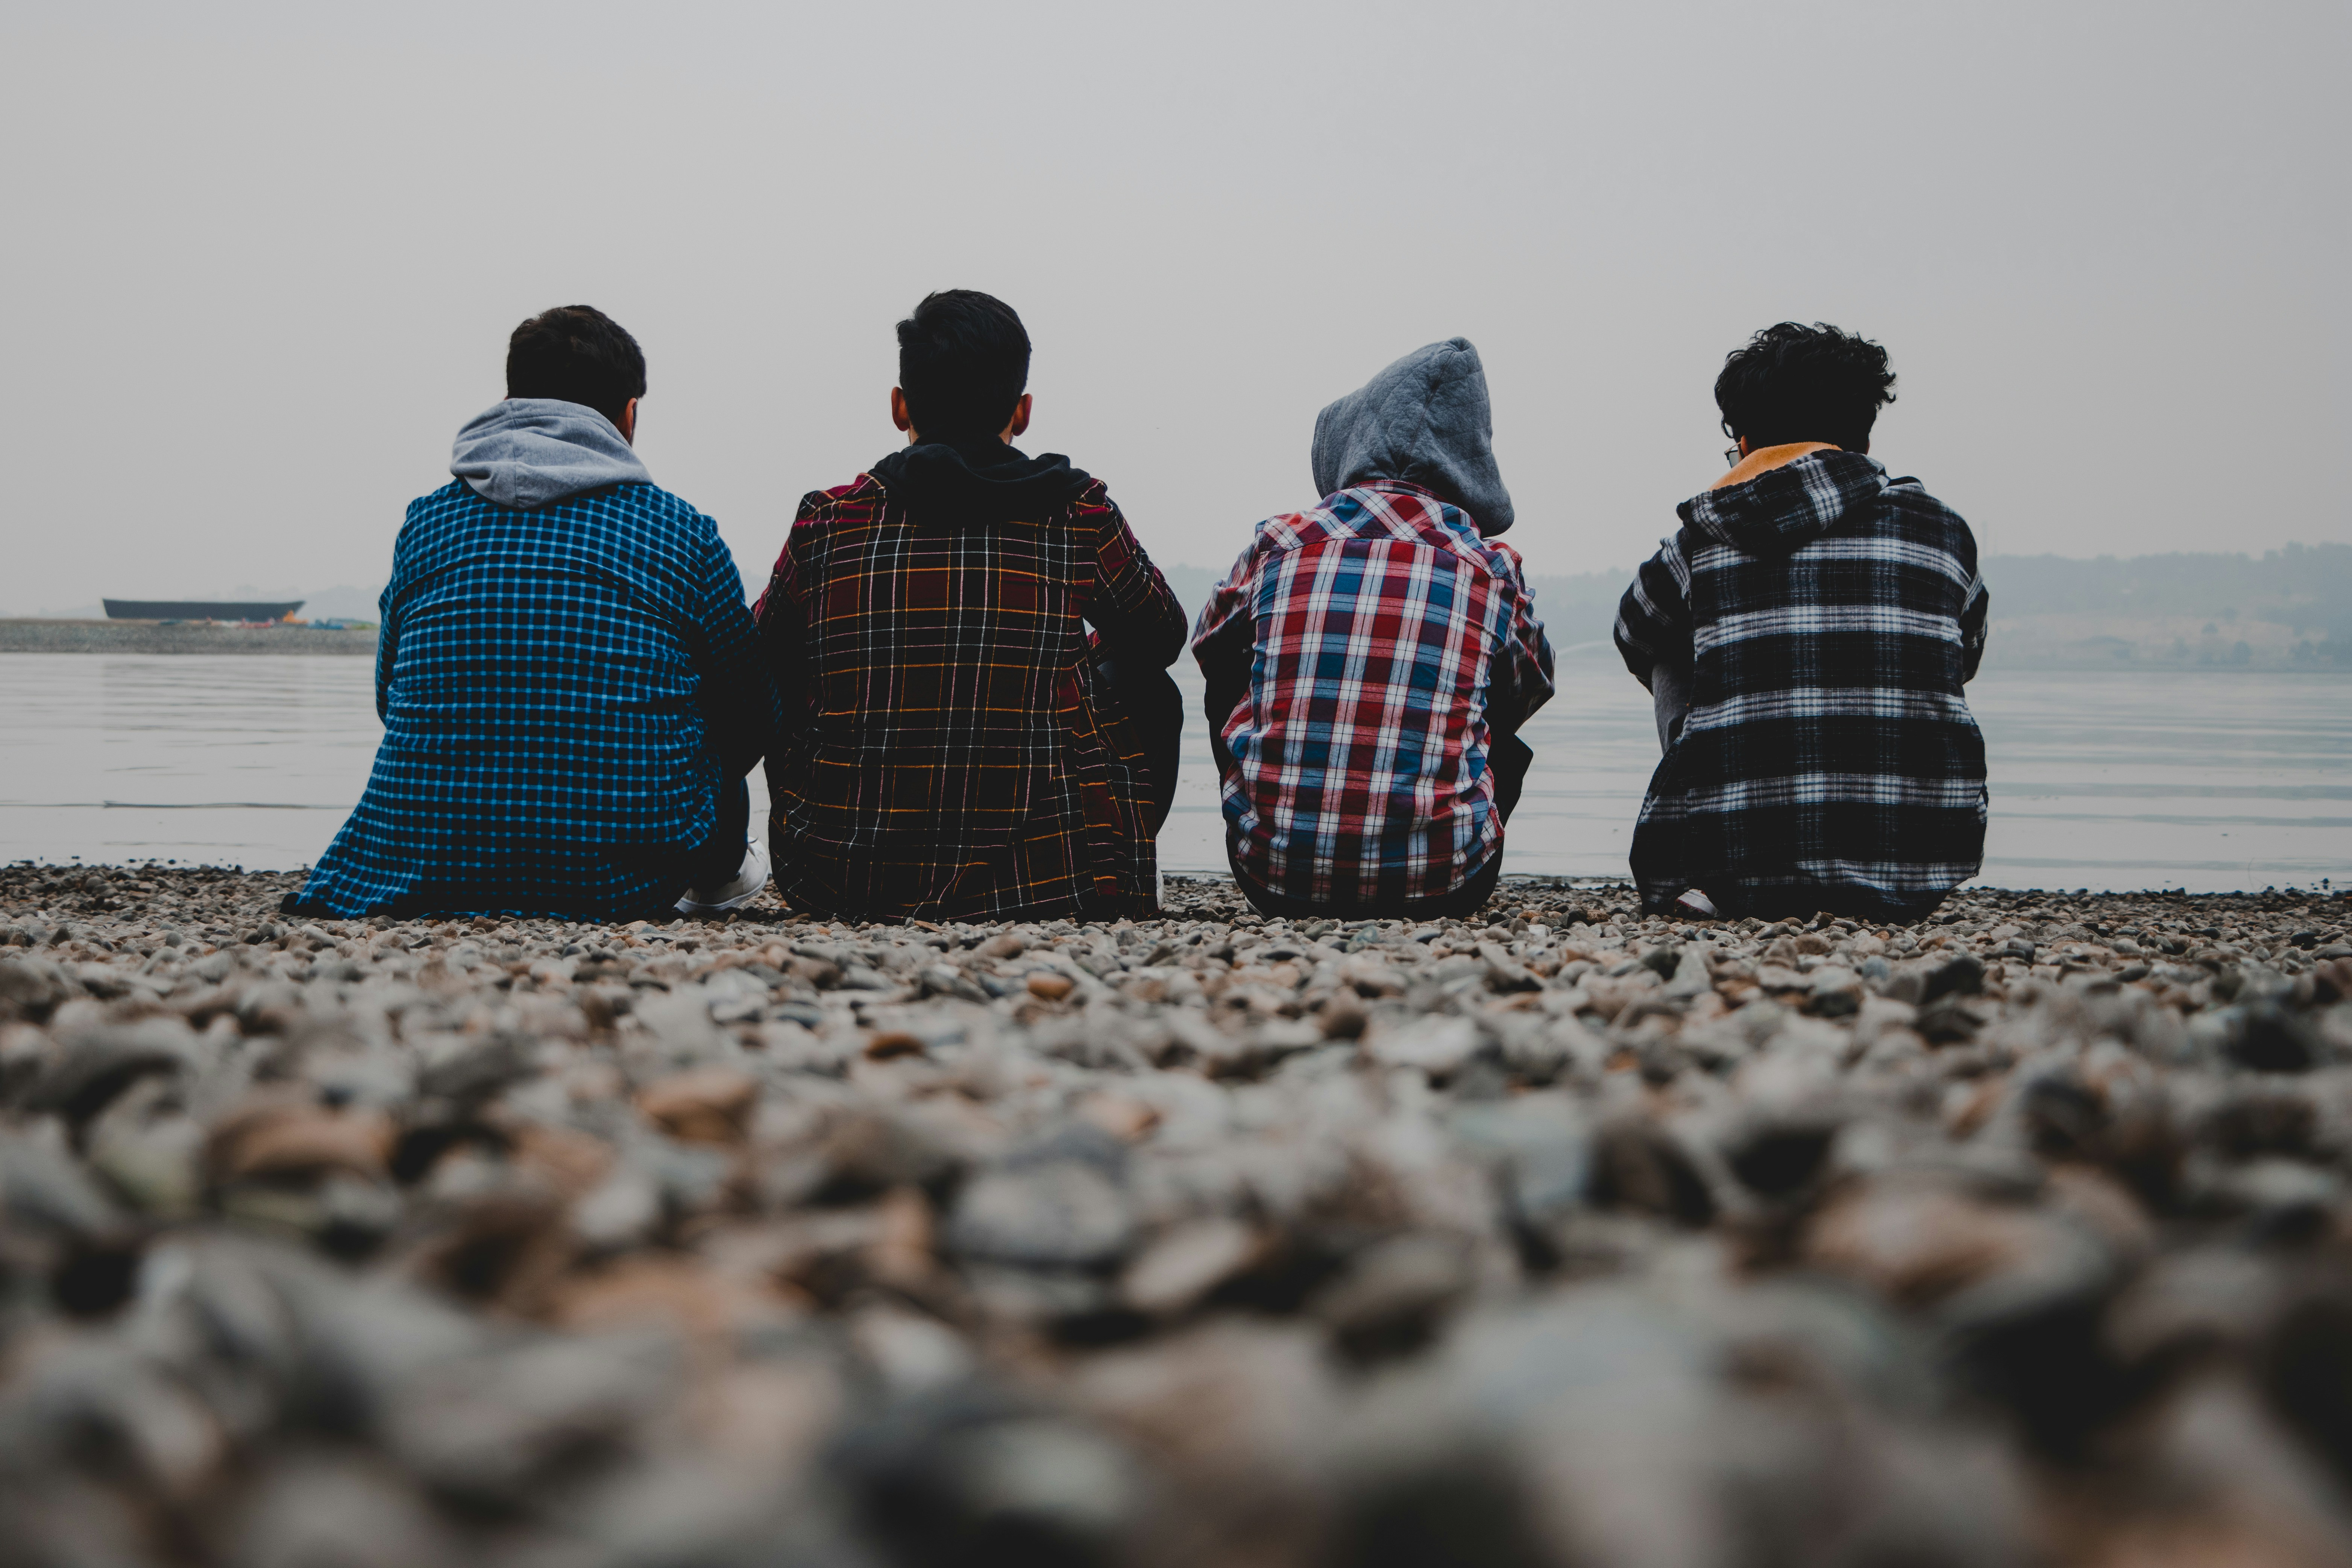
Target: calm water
(2206, 781)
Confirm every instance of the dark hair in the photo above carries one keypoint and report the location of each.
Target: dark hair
(580, 355)
(964, 360)
(1794, 382)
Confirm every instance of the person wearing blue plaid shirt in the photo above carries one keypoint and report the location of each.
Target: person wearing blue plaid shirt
(1806, 638)
(571, 685)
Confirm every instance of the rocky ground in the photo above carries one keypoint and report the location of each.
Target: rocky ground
(1558, 1237)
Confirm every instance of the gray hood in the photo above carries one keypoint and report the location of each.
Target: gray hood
(1424, 420)
(530, 452)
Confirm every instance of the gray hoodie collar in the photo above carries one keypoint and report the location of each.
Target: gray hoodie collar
(530, 452)
(1424, 420)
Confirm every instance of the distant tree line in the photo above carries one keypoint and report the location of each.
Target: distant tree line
(2305, 587)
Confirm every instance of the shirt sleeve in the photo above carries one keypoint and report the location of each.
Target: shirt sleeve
(783, 617)
(737, 692)
(1654, 622)
(1225, 643)
(1972, 630)
(1523, 676)
(387, 625)
(1134, 610)
(387, 643)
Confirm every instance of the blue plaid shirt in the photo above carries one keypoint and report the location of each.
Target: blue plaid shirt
(563, 692)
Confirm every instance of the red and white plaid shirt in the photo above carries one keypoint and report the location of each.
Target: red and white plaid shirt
(1355, 656)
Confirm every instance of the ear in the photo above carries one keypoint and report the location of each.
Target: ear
(898, 413)
(1019, 419)
(1743, 446)
(629, 425)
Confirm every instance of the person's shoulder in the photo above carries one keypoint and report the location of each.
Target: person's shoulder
(1288, 531)
(1911, 519)
(456, 493)
(445, 519)
(857, 499)
(1906, 496)
(1409, 511)
(641, 497)
(638, 514)
(1906, 507)
(1502, 558)
(1449, 528)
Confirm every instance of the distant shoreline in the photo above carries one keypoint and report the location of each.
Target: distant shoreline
(2009, 653)
(27, 635)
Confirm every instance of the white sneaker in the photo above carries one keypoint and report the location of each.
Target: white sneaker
(749, 883)
(1698, 903)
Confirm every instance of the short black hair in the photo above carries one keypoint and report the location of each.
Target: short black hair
(963, 361)
(577, 353)
(1795, 382)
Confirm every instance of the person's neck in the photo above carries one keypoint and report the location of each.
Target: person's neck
(1764, 459)
(961, 442)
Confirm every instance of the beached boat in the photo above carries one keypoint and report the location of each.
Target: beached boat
(196, 610)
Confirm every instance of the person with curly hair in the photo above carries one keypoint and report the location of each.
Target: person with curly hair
(1806, 635)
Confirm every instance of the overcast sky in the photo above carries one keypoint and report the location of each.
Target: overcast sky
(260, 262)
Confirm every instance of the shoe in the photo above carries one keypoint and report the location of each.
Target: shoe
(1698, 903)
(749, 883)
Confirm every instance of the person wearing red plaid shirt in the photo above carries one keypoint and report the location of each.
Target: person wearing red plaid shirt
(961, 748)
(1370, 662)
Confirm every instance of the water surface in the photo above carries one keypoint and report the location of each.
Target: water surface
(2207, 781)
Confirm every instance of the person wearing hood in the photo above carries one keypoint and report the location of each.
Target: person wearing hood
(569, 682)
(1371, 660)
(1805, 638)
(963, 749)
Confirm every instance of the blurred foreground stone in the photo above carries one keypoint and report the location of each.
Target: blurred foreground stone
(1561, 1236)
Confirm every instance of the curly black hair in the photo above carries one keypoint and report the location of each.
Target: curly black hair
(1795, 382)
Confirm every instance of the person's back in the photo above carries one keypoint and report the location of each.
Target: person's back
(961, 753)
(1807, 634)
(1369, 661)
(568, 676)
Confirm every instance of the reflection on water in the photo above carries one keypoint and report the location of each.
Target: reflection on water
(2204, 780)
(229, 759)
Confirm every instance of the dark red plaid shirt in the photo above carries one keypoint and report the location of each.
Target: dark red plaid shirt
(1359, 657)
(943, 757)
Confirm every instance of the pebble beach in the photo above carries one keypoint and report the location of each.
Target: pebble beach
(1558, 1236)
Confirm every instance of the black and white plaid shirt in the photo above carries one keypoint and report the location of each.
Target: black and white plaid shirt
(1825, 618)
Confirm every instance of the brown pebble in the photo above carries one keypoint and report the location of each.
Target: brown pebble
(685, 1294)
(572, 1162)
(280, 1139)
(1050, 987)
(1122, 1116)
(708, 1105)
(887, 1042)
(822, 972)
